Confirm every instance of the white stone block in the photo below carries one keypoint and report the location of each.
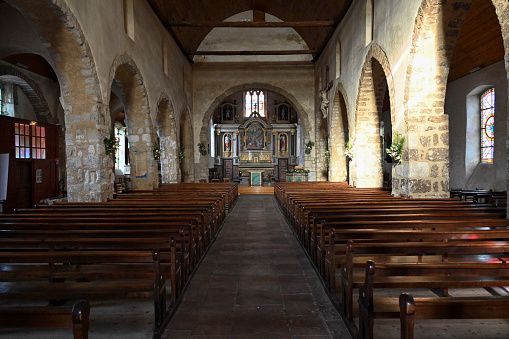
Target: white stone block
(419, 170)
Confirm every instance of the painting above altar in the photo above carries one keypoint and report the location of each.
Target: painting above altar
(255, 137)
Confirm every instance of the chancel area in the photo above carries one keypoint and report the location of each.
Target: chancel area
(254, 168)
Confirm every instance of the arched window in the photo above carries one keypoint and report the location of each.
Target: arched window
(370, 16)
(255, 102)
(338, 59)
(487, 125)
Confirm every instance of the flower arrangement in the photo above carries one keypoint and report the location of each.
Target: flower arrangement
(202, 149)
(300, 170)
(326, 156)
(308, 147)
(349, 150)
(396, 149)
(181, 155)
(111, 143)
(156, 151)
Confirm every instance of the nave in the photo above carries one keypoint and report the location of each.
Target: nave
(256, 282)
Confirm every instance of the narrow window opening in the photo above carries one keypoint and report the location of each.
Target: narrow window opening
(488, 126)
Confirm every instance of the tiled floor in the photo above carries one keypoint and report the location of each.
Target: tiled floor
(256, 282)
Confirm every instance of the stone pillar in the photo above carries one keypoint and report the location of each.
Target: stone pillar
(169, 161)
(90, 173)
(424, 173)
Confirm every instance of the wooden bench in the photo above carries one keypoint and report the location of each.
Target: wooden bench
(437, 277)
(90, 275)
(76, 317)
(489, 307)
(339, 238)
(411, 252)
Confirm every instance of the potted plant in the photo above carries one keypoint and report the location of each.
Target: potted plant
(326, 156)
(181, 155)
(396, 149)
(111, 143)
(308, 147)
(202, 148)
(349, 150)
(156, 151)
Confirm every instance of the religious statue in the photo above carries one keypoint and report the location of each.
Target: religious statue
(324, 94)
(282, 142)
(227, 144)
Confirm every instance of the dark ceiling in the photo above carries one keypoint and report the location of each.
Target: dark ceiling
(189, 22)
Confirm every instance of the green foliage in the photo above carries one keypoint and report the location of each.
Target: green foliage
(308, 147)
(396, 149)
(111, 143)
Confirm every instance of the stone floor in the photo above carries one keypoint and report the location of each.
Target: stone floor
(256, 282)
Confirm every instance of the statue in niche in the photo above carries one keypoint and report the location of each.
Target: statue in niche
(282, 142)
(227, 143)
(283, 113)
(324, 94)
(227, 113)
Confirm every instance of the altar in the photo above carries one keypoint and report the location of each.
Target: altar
(256, 178)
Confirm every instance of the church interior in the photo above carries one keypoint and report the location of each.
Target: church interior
(254, 168)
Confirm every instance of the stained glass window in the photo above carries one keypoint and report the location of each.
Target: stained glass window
(38, 142)
(255, 102)
(487, 125)
(22, 141)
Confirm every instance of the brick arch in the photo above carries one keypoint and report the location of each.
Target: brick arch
(32, 91)
(89, 177)
(375, 80)
(435, 34)
(263, 86)
(126, 74)
(339, 128)
(167, 132)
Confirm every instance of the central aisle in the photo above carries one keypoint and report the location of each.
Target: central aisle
(256, 282)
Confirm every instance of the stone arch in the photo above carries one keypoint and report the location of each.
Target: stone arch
(138, 122)
(435, 34)
(167, 131)
(32, 91)
(375, 80)
(89, 178)
(187, 145)
(293, 101)
(339, 135)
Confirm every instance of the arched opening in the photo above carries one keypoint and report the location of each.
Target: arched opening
(186, 148)
(427, 75)
(303, 131)
(372, 125)
(475, 69)
(167, 141)
(128, 83)
(53, 32)
(339, 136)
(255, 130)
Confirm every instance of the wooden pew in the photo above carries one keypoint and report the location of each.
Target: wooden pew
(411, 252)
(89, 275)
(489, 307)
(419, 276)
(336, 254)
(76, 317)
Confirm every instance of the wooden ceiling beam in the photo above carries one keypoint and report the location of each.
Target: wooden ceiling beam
(284, 52)
(251, 24)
